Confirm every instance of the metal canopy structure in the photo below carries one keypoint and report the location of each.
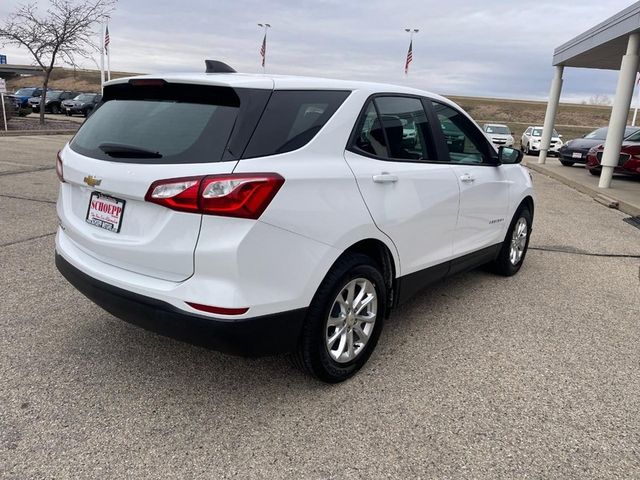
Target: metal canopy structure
(603, 45)
(611, 45)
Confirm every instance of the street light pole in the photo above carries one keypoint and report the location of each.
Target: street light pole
(263, 49)
(409, 59)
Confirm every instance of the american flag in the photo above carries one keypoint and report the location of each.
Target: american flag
(106, 40)
(263, 49)
(409, 58)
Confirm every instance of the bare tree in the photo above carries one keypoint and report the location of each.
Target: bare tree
(600, 99)
(65, 32)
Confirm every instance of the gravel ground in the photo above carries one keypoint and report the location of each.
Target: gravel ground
(535, 376)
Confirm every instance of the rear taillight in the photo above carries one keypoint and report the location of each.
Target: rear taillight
(177, 193)
(59, 171)
(233, 195)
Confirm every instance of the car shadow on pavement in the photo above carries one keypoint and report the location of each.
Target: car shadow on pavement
(109, 348)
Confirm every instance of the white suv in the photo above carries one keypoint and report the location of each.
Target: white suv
(531, 141)
(267, 214)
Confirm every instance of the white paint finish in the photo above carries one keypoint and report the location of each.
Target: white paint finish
(550, 115)
(620, 110)
(418, 211)
(240, 263)
(244, 263)
(153, 240)
(484, 203)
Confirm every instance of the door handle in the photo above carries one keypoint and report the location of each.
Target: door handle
(385, 177)
(466, 178)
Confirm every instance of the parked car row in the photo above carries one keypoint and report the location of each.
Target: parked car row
(586, 150)
(501, 136)
(56, 101)
(628, 161)
(53, 101)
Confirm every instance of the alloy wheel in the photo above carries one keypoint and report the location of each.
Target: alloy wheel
(518, 241)
(351, 320)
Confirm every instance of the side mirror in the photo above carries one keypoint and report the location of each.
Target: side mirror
(509, 156)
(559, 136)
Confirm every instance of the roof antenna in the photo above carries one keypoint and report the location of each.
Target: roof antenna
(216, 66)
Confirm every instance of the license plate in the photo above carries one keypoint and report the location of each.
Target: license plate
(105, 211)
(576, 155)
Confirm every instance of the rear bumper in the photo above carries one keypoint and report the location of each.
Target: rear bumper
(253, 337)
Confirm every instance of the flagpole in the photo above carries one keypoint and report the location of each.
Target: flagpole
(108, 55)
(410, 50)
(263, 49)
(102, 57)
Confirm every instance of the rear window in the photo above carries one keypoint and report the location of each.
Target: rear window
(292, 118)
(138, 125)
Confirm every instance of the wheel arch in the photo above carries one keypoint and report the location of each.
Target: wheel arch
(383, 256)
(527, 202)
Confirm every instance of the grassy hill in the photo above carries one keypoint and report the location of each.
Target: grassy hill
(572, 120)
(66, 79)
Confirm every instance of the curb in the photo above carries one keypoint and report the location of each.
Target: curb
(25, 133)
(611, 198)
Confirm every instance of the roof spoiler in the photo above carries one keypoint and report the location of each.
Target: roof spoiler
(215, 66)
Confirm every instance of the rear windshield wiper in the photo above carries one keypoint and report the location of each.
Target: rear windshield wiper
(121, 150)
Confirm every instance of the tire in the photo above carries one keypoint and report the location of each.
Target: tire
(55, 109)
(316, 355)
(526, 149)
(566, 163)
(595, 173)
(505, 264)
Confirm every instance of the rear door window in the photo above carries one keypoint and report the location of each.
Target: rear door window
(292, 118)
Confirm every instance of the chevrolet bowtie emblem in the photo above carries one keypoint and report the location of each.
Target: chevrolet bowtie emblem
(92, 181)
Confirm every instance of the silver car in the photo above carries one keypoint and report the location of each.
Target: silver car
(498, 134)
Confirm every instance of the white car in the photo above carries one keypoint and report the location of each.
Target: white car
(498, 134)
(262, 214)
(531, 140)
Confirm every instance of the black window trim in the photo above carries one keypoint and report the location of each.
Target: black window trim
(351, 147)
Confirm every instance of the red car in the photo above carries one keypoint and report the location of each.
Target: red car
(628, 163)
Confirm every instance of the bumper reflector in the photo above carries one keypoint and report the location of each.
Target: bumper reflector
(218, 310)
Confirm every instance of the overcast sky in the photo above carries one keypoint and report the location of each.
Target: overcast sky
(491, 48)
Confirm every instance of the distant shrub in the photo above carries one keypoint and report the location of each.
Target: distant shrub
(23, 112)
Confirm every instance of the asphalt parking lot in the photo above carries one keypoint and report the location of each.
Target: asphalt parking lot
(535, 376)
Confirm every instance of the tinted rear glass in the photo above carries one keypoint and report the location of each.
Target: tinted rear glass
(179, 131)
(292, 118)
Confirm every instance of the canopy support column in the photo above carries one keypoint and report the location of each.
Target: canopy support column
(550, 116)
(620, 110)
